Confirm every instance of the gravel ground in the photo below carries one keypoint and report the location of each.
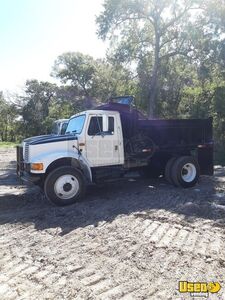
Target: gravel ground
(131, 239)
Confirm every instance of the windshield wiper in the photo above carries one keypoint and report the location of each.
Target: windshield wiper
(73, 131)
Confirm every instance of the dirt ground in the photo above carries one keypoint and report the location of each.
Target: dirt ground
(131, 239)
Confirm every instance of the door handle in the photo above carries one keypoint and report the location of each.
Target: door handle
(116, 147)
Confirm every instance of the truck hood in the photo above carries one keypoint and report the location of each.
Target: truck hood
(38, 137)
(52, 139)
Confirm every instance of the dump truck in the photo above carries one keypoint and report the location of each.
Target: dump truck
(111, 140)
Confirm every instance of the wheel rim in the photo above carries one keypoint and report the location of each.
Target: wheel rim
(66, 186)
(188, 172)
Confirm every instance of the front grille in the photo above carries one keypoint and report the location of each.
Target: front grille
(19, 154)
(26, 152)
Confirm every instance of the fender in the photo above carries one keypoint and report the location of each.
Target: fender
(48, 158)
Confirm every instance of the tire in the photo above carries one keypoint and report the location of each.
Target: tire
(168, 169)
(64, 186)
(185, 172)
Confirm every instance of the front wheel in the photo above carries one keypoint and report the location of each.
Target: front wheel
(185, 171)
(64, 186)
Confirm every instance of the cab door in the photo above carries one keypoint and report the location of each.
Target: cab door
(102, 146)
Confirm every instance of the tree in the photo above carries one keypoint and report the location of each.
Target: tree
(8, 120)
(147, 29)
(92, 78)
(76, 69)
(38, 96)
(112, 79)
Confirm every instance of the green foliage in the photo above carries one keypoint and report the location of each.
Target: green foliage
(44, 103)
(7, 144)
(8, 120)
(203, 103)
(75, 68)
(92, 78)
(36, 109)
(148, 33)
(112, 79)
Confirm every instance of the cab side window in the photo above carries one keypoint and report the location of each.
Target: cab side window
(95, 126)
(111, 125)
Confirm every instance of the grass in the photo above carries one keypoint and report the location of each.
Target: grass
(7, 144)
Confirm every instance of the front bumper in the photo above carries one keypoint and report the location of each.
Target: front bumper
(28, 177)
(23, 169)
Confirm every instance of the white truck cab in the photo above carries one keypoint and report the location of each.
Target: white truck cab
(99, 137)
(92, 139)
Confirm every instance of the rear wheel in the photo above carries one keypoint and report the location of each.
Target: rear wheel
(168, 169)
(185, 171)
(64, 186)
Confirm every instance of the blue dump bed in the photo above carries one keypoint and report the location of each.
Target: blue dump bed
(169, 136)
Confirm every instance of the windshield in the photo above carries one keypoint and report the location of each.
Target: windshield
(76, 124)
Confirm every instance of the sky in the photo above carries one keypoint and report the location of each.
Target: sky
(34, 32)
